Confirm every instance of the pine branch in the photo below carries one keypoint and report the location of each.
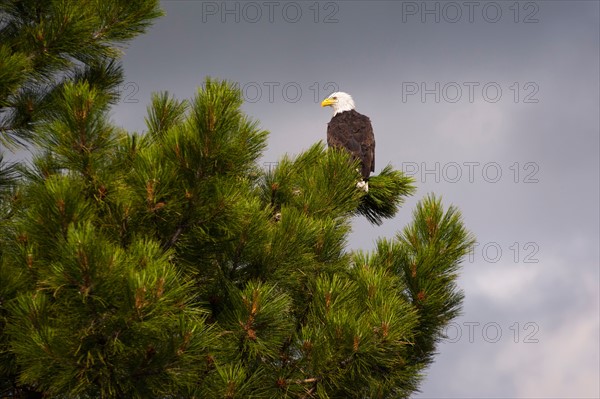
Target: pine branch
(175, 236)
(433, 247)
(63, 43)
(386, 194)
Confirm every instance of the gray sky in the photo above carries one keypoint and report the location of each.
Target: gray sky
(492, 105)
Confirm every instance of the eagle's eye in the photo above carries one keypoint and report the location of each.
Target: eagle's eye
(335, 98)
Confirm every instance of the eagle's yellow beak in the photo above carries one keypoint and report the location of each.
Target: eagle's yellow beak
(327, 102)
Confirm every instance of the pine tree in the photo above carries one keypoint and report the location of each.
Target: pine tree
(45, 43)
(170, 265)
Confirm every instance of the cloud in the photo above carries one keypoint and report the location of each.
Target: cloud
(472, 126)
(563, 364)
(506, 284)
(549, 319)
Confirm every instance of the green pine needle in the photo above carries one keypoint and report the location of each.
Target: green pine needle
(387, 192)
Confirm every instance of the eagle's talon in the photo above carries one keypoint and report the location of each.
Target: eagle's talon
(363, 185)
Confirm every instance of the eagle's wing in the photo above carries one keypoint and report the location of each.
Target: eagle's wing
(354, 132)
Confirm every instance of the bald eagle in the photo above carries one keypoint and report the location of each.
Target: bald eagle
(353, 131)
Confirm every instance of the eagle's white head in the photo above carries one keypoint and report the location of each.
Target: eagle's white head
(339, 101)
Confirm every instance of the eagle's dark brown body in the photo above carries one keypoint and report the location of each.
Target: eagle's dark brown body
(353, 131)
